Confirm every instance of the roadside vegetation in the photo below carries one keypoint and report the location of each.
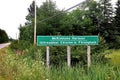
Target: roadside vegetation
(24, 61)
(20, 67)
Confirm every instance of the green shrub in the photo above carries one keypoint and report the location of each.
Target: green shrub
(58, 55)
(31, 52)
(20, 45)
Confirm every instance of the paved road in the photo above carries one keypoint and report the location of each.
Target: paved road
(4, 45)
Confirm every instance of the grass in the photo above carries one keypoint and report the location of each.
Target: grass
(96, 72)
(14, 67)
(114, 56)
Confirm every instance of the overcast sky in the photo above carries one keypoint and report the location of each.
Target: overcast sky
(13, 12)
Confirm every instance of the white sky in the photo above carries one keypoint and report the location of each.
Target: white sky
(13, 12)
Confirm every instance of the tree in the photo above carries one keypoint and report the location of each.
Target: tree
(83, 21)
(94, 12)
(26, 33)
(117, 18)
(3, 36)
(27, 30)
(31, 14)
(79, 23)
(106, 25)
(46, 27)
(117, 25)
(49, 26)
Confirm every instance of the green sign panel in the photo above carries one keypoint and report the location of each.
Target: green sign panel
(66, 40)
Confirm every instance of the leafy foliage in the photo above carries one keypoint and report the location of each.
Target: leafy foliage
(3, 36)
(20, 45)
(92, 18)
(26, 33)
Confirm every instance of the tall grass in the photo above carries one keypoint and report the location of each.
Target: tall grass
(14, 67)
(95, 72)
(114, 56)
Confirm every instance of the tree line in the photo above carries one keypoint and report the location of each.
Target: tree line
(90, 18)
(3, 36)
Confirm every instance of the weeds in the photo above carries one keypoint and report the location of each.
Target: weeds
(19, 67)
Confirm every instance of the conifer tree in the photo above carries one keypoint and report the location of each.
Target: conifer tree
(117, 26)
(106, 25)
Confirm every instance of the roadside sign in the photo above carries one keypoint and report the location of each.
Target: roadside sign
(66, 40)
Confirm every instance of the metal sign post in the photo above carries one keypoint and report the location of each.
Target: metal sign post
(88, 56)
(48, 56)
(68, 56)
(65, 41)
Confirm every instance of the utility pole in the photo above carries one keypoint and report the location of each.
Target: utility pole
(34, 22)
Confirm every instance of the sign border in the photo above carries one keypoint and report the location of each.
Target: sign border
(67, 44)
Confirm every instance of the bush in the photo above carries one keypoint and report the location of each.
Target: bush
(20, 45)
(31, 52)
(58, 55)
(97, 51)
